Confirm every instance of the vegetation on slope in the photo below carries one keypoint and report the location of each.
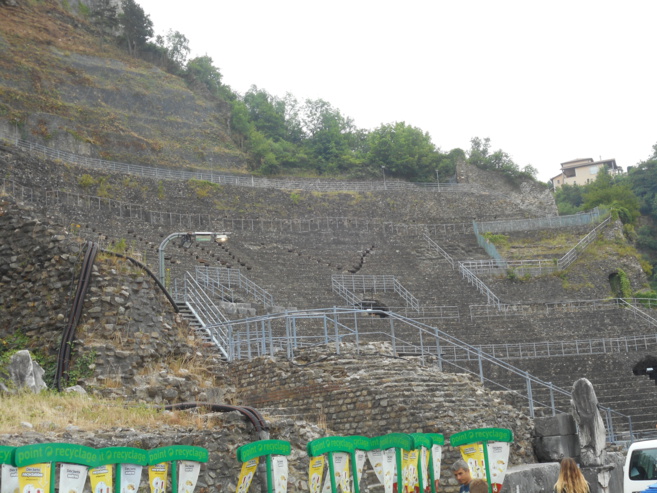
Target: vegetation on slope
(82, 72)
(49, 411)
(631, 196)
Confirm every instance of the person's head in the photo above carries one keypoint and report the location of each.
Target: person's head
(570, 477)
(478, 486)
(461, 472)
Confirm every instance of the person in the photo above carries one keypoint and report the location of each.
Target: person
(571, 479)
(478, 486)
(461, 472)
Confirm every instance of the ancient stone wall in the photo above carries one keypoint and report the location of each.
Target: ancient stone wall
(373, 393)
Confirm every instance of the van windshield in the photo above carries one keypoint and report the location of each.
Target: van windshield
(643, 464)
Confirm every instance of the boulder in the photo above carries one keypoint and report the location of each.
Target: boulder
(592, 434)
(24, 372)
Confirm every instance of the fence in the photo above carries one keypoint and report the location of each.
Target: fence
(154, 172)
(196, 221)
(521, 268)
(213, 322)
(290, 331)
(553, 222)
(345, 285)
(233, 278)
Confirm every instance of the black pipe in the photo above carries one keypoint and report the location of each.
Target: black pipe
(253, 415)
(148, 271)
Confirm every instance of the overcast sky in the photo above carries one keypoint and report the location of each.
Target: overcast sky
(548, 82)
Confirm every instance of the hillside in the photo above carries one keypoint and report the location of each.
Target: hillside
(62, 85)
(439, 350)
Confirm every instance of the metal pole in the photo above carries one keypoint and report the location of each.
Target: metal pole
(530, 397)
(337, 334)
(438, 352)
(248, 340)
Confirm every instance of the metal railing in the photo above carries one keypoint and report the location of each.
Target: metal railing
(552, 222)
(442, 252)
(520, 268)
(345, 286)
(548, 349)
(19, 192)
(192, 221)
(575, 252)
(317, 185)
(213, 321)
(292, 330)
(504, 310)
(479, 285)
(234, 279)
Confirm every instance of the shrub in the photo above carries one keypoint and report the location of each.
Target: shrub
(86, 181)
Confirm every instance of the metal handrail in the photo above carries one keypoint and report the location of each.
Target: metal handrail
(301, 225)
(341, 324)
(211, 318)
(345, 285)
(499, 265)
(550, 222)
(228, 278)
(442, 252)
(234, 179)
(479, 285)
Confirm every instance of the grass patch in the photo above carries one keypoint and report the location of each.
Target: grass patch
(49, 411)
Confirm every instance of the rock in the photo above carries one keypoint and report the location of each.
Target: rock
(592, 431)
(77, 389)
(24, 372)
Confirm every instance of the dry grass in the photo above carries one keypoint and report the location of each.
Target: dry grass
(54, 412)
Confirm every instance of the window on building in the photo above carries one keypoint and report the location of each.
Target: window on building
(593, 170)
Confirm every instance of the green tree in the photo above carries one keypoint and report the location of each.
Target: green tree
(446, 168)
(327, 136)
(404, 151)
(201, 70)
(605, 191)
(240, 123)
(267, 113)
(569, 198)
(263, 158)
(643, 180)
(480, 155)
(176, 47)
(136, 26)
(105, 17)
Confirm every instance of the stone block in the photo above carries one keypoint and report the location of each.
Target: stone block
(549, 449)
(534, 478)
(561, 424)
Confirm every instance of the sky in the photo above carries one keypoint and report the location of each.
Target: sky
(547, 82)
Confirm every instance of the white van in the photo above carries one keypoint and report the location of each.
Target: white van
(640, 470)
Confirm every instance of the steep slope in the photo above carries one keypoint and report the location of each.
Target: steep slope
(61, 84)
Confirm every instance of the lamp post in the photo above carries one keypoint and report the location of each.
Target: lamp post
(383, 169)
(198, 236)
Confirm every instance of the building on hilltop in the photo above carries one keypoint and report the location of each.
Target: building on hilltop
(583, 171)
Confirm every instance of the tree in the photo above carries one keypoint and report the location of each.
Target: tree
(616, 195)
(105, 17)
(569, 198)
(267, 113)
(240, 122)
(176, 47)
(643, 180)
(136, 25)
(327, 136)
(404, 151)
(201, 69)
